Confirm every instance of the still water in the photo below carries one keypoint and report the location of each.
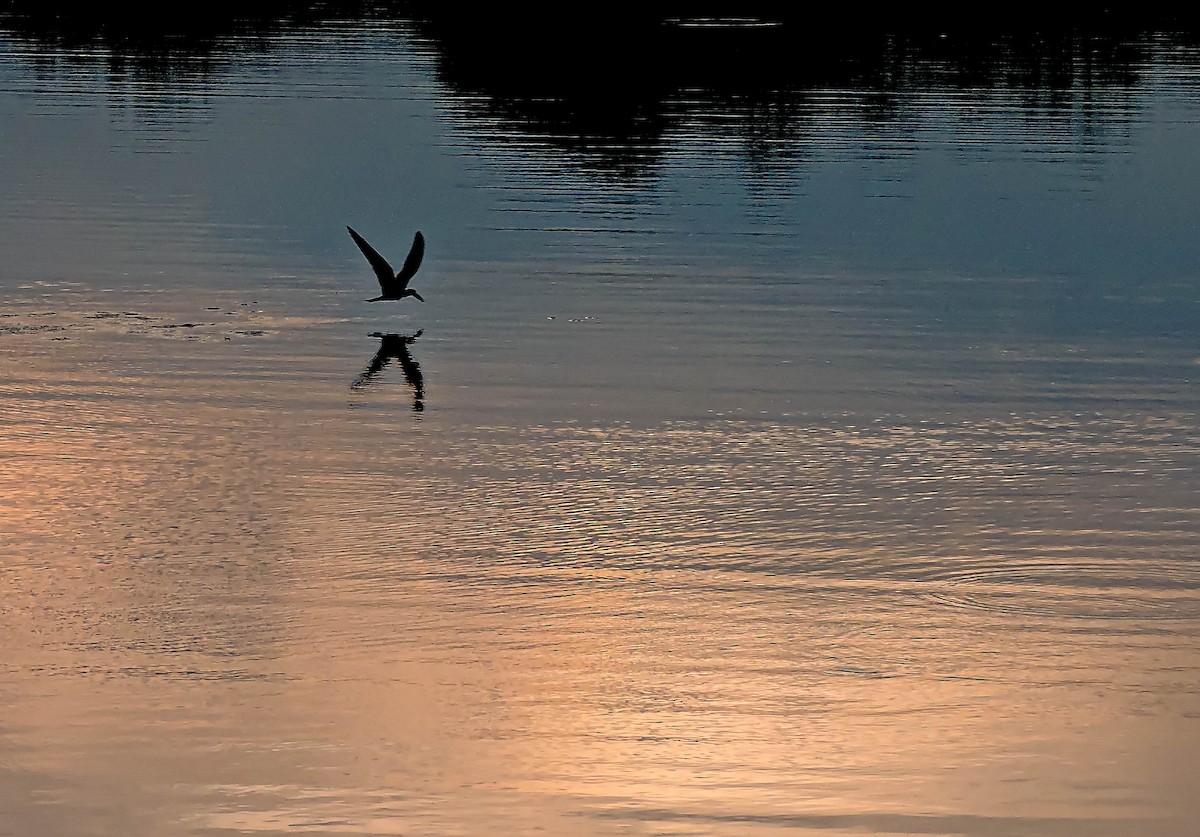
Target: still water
(813, 458)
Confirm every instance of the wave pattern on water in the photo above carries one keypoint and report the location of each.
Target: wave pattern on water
(1072, 516)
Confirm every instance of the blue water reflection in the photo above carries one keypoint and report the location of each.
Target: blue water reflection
(929, 204)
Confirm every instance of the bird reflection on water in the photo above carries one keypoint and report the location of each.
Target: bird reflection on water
(395, 347)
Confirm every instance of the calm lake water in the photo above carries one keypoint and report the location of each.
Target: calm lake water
(813, 457)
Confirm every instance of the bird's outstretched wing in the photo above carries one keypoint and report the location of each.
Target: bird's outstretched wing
(378, 263)
(412, 262)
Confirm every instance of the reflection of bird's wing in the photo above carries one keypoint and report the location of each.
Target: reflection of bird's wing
(381, 359)
(412, 371)
(378, 263)
(412, 262)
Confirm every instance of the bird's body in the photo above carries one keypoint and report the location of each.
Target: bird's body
(393, 285)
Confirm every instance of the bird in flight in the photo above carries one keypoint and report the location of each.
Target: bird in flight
(394, 285)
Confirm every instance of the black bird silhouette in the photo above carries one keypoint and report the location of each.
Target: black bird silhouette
(395, 347)
(394, 285)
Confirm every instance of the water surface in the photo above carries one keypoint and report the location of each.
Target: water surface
(807, 457)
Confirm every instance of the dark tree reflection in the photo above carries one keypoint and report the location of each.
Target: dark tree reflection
(607, 89)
